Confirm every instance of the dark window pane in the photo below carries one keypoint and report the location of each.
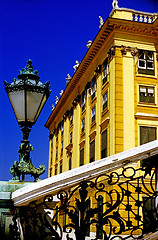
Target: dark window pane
(104, 144)
(146, 62)
(92, 151)
(70, 163)
(147, 134)
(82, 157)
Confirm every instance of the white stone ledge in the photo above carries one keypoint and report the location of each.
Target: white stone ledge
(151, 236)
(52, 185)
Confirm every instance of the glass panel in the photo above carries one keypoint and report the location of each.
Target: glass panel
(150, 65)
(141, 54)
(150, 55)
(33, 102)
(71, 137)
(92, 151)
(147, 134)
(105, 71)
(70, 163)
(105, 100)
(104, 144)
(82, 157)
(41, 107)
(93, 114)
(18, 103)
(142, 64)
(82, 124)
(94, 86)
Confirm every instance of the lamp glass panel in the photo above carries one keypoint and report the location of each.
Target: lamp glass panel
(41, 106)
(33, 103)
(17, 100)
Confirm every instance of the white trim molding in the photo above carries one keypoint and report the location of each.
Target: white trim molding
(52, 185)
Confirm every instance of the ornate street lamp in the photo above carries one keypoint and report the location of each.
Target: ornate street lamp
(27, 96)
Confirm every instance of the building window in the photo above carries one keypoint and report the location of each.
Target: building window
(146, 94)
(82, 125)
(56, 152)
(92, 151)
(104, 144)
(146, 62)
(62, 127)
(147, 134)
(57, 135)
(71, 116)
(70, 163)
(82, 157)
(105, 71)
(51, 143)
(94, 87)
(105, 100)
(93, 114)
(56, 170)
(50, 172)
(51, 158)
(61, 167)
(62, 147)
(70, 137)
(83, 100)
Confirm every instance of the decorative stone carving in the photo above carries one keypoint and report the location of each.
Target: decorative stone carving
(66, 114)
(56, 100)
(53, 107)
(76, 100)
(89, 44)
(69, 150)
(111, 52)
(68, 79)
(61, 93)
(123, 50)
(53, 131)
(76, 65)
(134, 51)
(115, 4)
(97, 70)
(50, 136)
(101, 22)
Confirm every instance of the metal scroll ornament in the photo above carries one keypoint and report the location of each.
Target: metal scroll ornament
(121, 205)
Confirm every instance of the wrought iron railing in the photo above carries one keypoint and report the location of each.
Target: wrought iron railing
(120, 205)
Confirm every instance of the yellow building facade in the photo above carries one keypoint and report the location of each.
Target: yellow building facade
(111, 103)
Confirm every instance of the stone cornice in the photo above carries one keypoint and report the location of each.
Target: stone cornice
(63, 181)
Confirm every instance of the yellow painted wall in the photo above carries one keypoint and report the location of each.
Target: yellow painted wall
(121, 117)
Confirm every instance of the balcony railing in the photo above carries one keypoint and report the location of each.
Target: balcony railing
(146, 18)
(114, 199)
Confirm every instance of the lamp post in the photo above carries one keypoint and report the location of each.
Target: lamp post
(27, 96)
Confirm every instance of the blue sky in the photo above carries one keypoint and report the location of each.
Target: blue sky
(54, 35)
